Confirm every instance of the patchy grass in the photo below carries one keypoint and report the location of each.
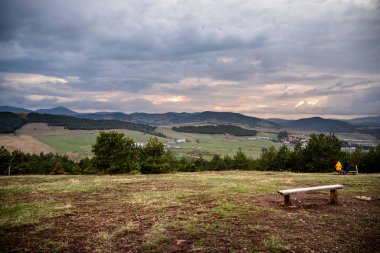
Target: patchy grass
(274, 243)
(231, 211)
(158, 199)
(15, 214)
(228, 209)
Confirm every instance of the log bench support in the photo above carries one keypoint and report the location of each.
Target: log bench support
(287, 201)
(333, 192)
(333, 196)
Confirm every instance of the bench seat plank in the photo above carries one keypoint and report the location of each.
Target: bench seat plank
(317, 188)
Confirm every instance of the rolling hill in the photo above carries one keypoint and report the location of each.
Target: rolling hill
(57, 111)
(13, 109)
(367, 125)
(9, 122)
(171, 118)
(320, 124)
(370, 121)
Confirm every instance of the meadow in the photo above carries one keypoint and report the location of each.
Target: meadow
(233, 211)
(78, 144)
(206, 145)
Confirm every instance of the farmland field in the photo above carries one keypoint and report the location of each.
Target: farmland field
(207, 145)
(37, 137)
(187, 212)
(77, 143)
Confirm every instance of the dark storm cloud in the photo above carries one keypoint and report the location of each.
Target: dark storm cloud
(185, 51)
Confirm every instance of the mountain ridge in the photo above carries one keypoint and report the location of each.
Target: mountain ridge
(57, 111)
(318, 124)
(13, 109)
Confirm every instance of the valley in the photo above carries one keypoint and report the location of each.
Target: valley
(76, 144)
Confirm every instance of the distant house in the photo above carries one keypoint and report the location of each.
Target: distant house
(171, 145)
(291, 140)
(140, 144)
(258, 139)
(180, 141)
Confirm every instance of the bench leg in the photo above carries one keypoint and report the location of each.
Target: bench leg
(333, 196)
(287, 201)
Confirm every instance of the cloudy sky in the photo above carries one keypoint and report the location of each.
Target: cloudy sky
(287, 59)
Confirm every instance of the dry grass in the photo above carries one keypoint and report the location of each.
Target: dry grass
(187, 212)
(25, 143)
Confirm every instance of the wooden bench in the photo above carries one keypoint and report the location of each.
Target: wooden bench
(354, 171)
(332, 188)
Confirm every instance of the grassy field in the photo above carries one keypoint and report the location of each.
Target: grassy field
(207, 145)
(187, 212)
(37, 137)
(78, 145)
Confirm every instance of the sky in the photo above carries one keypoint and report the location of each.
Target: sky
(284, 59)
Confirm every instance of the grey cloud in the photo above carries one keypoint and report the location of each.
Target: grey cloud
(130, 47)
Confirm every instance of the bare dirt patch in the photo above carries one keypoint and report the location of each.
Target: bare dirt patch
(25, 143)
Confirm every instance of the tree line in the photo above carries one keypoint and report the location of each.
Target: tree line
(114, 153)
(216, 129)
(17, 162)
(10, 122)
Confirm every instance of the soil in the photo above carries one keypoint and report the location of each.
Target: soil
(311, 225)
(25, 143)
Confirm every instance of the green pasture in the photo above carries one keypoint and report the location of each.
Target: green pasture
(232, 211)
(206, 145)
(79, 145)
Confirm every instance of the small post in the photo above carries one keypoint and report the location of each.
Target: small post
(287, 200)
(333, 196)
(9, 170)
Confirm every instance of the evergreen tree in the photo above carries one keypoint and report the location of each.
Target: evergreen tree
(241, 162)
(217, 163)
(322, 153)
(297, 161)
(5, 159)
(267, 159)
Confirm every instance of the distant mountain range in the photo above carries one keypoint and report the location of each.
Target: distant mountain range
(57, 111)
(370, 125)
(13, 109)
(168, 118)
(370, 121)
(320, 124)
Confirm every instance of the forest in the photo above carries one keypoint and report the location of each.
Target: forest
(216, 129)
(10, 122)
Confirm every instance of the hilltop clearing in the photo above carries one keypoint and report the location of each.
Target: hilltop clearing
(188, 212)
